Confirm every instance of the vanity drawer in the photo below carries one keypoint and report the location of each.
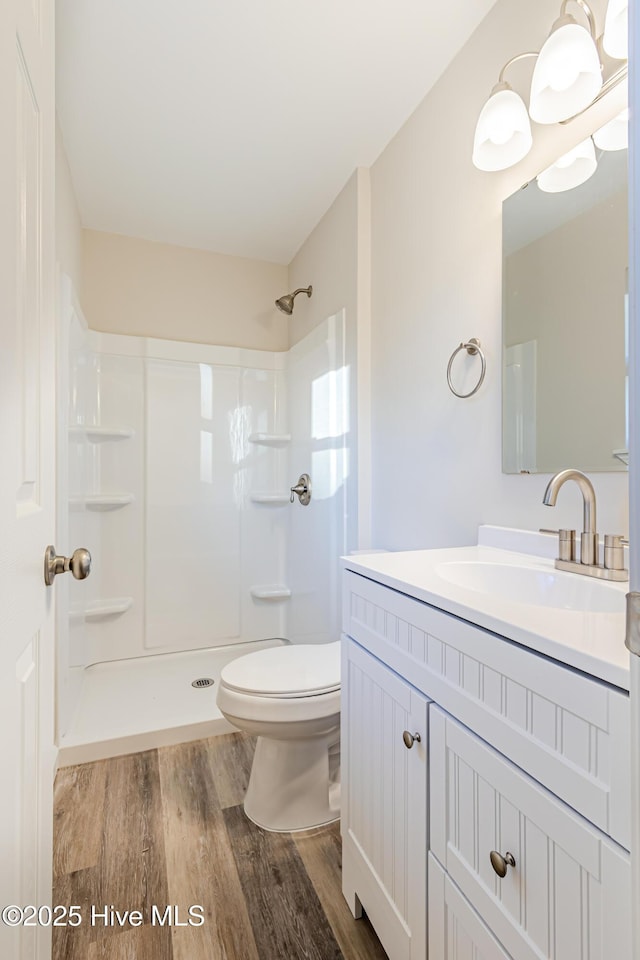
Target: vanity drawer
(456, 932)
(568, 897)
(567, 730)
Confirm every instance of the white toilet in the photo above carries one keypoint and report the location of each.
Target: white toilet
(289, 697)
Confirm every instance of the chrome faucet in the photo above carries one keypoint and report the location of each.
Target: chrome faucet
(589, 537)
(612, 569)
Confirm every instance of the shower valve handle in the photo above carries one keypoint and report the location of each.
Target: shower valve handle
(302, 490)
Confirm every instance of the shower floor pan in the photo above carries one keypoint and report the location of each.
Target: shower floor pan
(139, 704)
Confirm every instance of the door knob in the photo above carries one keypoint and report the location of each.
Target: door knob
(500, 863)
(410, 738)
(79, 563)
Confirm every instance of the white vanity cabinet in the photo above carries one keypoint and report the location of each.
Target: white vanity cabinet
(524, 756)
(384, 852)
(568, 894)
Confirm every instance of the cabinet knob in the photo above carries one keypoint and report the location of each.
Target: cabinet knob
(500, 863)
(410, 738)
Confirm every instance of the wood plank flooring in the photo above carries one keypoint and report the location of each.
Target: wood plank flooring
(166, 827)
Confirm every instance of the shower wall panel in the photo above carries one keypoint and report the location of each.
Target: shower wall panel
(194, 434)
(183, 539)
(180, 471)
(117, 577)
(318, 377)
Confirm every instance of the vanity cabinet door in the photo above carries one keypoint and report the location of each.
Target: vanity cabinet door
(456, 932)
(567, 896)
(384, 802)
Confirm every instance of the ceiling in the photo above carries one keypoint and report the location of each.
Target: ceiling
(232, 126)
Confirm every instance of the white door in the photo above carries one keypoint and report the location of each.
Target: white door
(27, 401)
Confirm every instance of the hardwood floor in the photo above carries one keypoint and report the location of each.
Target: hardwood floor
(166, 828)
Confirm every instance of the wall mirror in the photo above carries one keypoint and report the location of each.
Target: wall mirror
(564, 258)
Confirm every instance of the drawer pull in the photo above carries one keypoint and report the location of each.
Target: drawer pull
(500, 863)
(410, 738)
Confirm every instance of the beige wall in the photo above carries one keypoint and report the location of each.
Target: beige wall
(327, 260)
(436, 280)
(68, 226)
(566, 291)
(152, 289)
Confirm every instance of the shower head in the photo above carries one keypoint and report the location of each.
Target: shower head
(286, 303)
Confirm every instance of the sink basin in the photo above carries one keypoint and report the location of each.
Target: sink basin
(531, 585)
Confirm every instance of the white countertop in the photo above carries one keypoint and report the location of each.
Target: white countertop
(588, 641)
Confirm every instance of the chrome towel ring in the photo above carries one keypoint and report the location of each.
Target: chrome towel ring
(472, 347)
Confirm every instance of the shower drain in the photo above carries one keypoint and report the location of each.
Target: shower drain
(203, 682)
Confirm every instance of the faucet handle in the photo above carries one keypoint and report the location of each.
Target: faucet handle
(567, 544)
(614, 551)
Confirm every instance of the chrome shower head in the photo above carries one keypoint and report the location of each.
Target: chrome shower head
(286, 303)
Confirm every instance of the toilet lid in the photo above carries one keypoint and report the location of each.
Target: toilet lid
(295, 670)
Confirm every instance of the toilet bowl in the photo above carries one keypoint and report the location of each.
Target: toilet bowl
(289, 697)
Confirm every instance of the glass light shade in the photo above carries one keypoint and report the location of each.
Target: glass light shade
(616, 28)
(567, 74)
(570, 170)
(615, 134)
(503, 132)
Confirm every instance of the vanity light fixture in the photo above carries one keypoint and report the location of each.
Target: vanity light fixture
(567, 76)
(616, 28)
(503, 132)
(615, 134)
(572, 169)
(567, 79)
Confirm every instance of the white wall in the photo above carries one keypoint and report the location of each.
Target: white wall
(436, 280)
(327, 260)
(148, 289)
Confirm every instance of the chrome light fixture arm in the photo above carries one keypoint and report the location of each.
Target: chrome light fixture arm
(587, 11)
(518, 56)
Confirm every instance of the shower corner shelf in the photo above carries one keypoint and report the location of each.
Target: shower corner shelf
(270, 439)
(274, 591)
(103, 609)
(271, 499)
(101, 434)
(102, 501)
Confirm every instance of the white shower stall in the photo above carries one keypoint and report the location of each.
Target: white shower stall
(175, 464)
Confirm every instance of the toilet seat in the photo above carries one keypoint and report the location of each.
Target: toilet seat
(291, 672)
